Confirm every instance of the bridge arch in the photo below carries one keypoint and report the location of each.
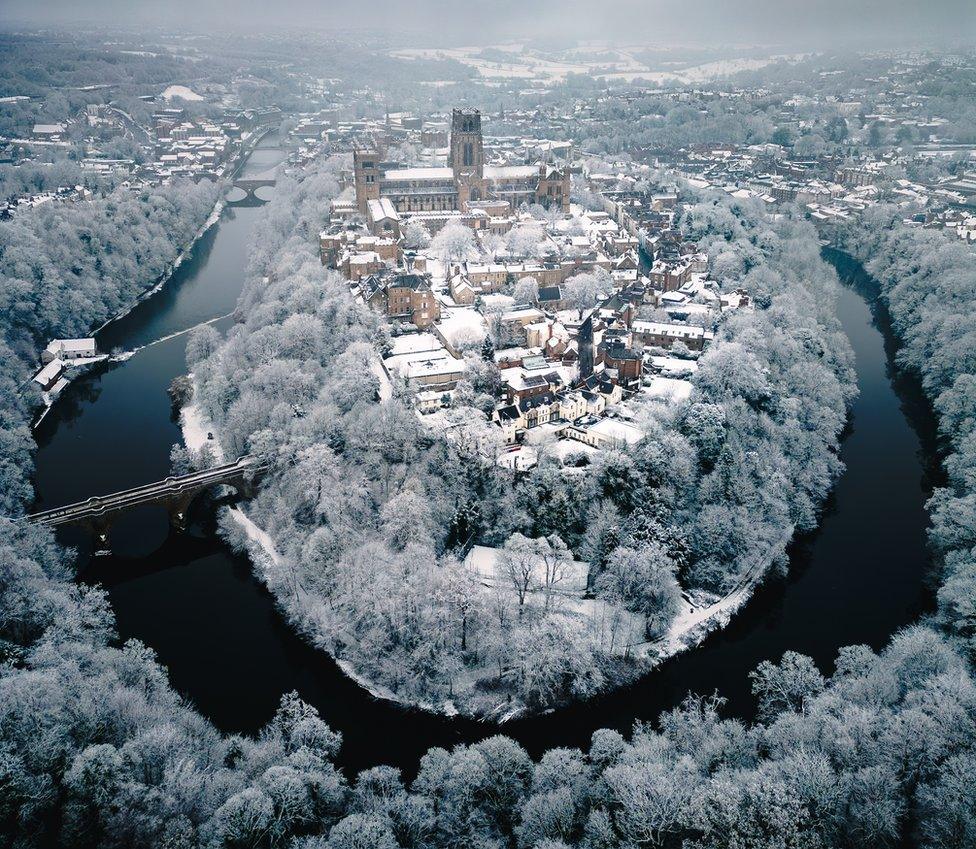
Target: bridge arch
(175, 492)
(249, 187)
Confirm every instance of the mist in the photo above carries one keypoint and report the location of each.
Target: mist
(790, 23)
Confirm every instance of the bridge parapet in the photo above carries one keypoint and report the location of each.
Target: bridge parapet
(175, 492)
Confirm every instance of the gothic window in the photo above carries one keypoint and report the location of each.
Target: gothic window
(468, 153)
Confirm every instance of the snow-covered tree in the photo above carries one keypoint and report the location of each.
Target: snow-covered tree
(454, 242)
(526, 290)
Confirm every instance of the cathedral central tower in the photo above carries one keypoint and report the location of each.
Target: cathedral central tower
(467, 156)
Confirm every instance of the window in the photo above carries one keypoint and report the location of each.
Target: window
(468, 153)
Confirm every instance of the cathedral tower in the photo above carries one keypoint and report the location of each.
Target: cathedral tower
(467, 156)
(366, 170)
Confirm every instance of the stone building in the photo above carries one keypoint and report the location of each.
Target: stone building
(463, 183)
(405, 297)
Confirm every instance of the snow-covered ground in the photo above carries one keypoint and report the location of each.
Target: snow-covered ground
(386, 387)
(180, 92)
(196, 424)
(693, 623)
(527, 64)
(702, 73)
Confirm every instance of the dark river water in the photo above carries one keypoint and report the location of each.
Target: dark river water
(860, 577)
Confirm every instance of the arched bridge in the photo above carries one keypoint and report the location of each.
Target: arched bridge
(175, 492)
(251, 186)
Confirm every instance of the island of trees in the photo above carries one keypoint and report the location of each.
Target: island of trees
(368, 508)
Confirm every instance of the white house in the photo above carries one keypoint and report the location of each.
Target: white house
(69, 349)
(48, 377)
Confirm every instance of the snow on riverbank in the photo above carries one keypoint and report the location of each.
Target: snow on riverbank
(165, 277)
(212, 219)
(690, 628)
(695, 622)
(196, 426)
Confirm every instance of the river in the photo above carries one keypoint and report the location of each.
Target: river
(858, 578)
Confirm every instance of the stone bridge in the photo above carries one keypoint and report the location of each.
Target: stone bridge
(251, 186)
(175, 493)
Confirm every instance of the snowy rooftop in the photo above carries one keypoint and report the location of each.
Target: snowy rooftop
(670, 389)
(71, 346)
(49, 372)
(687, 331)
(405, 174)
(382, 208)
(412, 343)
(510, 172)
(425, 364)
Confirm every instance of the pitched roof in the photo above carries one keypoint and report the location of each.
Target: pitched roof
(550, 293)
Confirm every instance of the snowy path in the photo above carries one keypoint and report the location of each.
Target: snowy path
(386, 387)
(196, 424)
(700, 621)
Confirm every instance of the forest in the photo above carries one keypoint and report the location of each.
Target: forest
(98, 750)
(372, 512)
(66, 268)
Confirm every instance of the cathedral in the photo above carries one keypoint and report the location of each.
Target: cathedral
(464, 184)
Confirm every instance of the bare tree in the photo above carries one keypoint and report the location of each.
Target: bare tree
(581, 291)
(455, 242)
(517, 562)
(555, 557)
(526, 291)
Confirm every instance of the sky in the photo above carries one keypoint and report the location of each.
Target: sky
(799, 23)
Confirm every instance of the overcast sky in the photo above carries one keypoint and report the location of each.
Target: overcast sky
(819, 23)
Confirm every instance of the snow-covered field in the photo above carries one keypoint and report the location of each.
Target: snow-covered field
(624, 66)
(180, 92)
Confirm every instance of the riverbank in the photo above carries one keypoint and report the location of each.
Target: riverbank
(49, 400)
(77, 368)
(199, 432)
(165, 277)
(247, 149)
(692, 626)
(232, 652)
